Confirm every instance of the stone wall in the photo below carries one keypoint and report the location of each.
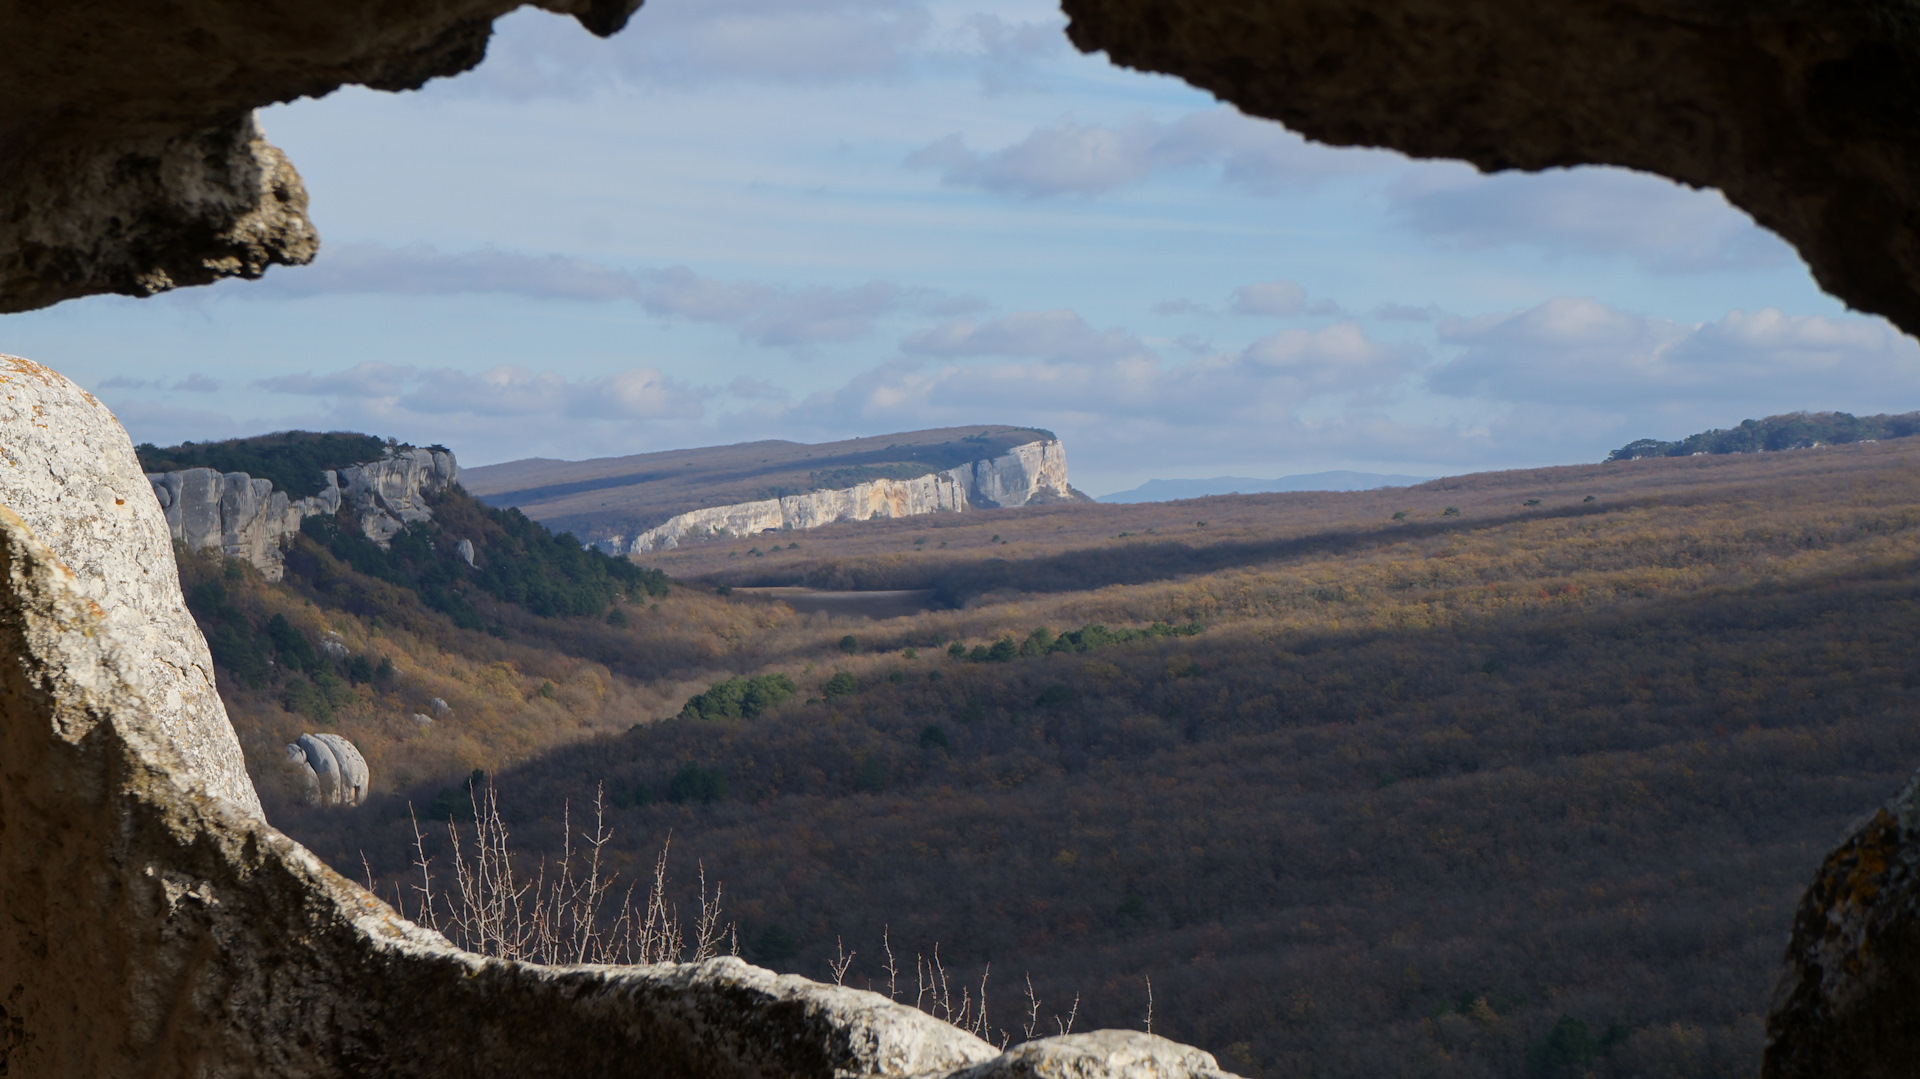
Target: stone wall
(245, 517)
(1026, 473)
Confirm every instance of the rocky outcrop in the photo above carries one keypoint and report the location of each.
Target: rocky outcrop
(1805, 114)
(1845, 1005)
(156, 925)
(1036, 471)
(129, 158)
(246, 518)
(67, 470)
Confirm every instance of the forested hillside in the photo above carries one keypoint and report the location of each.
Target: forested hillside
(1515, 774)
(292, 460)
(1793, 431)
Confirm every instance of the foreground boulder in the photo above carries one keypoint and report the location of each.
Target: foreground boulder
(153, 924)
(1849, 1002)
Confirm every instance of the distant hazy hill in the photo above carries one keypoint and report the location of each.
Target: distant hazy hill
(1169, 490)
(631, 494)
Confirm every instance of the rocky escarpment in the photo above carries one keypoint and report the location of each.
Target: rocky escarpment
(1036, 471)
(156, 925)
(245, 517)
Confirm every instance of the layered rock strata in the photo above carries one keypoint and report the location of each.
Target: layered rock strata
(155, 925)
(245, 517)
(1034, 471)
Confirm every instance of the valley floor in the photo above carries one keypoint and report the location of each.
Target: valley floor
(1517, 774)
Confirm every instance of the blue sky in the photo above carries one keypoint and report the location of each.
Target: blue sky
(816, 219)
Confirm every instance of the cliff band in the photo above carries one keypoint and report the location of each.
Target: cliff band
(1036, 471)
(246, 518)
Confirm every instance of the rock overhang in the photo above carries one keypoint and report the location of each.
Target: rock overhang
(129, 161)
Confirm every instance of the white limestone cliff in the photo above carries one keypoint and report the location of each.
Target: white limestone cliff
(246, 518)
(1033, 471)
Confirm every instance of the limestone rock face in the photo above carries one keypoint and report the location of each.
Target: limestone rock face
(389, 494)
(67, 469)
(1845, 1005)
(156, 926)
(246, 518)
(1805, 114)
(1034, 471)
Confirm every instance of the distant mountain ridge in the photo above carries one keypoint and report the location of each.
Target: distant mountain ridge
(1173, 490)
(632, 505)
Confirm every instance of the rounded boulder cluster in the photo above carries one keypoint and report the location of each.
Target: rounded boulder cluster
(335, 772)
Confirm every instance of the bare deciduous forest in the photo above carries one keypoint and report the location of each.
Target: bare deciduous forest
(1516, 774)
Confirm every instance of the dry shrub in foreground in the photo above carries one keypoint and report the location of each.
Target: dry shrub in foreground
(563, 917)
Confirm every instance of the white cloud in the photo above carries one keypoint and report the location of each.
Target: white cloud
(194, 383)
(1322, 394)
(1400, 312)
(147, 420)
(756, 389)
(622, 411)
(636, 393)
(698, 43)
(1579, 351)
(1008, 53)
(764, 313)
(1268, 298)
(1071, 158)
(1070, 366)
(362, 381)
(1661, 225)
(1052, 334)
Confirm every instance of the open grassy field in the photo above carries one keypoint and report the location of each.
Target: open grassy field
(1523, 789)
